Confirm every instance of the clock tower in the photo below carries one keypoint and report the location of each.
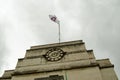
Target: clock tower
(61, 61)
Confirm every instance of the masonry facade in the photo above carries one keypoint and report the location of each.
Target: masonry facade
(64, 61)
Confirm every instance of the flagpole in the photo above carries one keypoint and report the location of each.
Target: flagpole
(54, 18)
(59, 31)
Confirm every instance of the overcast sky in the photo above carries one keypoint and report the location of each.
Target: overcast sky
(25, 23)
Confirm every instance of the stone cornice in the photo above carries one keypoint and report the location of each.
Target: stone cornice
(54, 67)
(56, 45)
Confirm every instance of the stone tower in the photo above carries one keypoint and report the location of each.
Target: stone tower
(64, 61)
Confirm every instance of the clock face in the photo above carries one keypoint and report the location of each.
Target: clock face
(54, 54)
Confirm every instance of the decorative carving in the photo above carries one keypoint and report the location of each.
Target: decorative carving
(54, 54)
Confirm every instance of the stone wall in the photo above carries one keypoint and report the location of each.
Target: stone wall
(78, 63)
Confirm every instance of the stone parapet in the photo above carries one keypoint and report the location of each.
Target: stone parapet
(57, 44)
(104, 63)
(7, 75)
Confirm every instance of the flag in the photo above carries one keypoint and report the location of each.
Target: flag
(54, 18)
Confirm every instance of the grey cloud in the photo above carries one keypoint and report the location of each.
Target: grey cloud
(94, 21)
(100, 26)
(3, 49)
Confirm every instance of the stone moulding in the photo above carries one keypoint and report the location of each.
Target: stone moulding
(57, 44)
(63, 66)
(53, 67)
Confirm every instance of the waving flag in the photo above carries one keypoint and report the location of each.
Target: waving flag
(54, 18)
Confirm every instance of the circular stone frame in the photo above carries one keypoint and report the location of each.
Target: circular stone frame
(54, 54)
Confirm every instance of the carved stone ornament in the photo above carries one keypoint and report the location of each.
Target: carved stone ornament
(54, 54)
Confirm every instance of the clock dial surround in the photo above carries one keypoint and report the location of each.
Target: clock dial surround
(54, 54)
